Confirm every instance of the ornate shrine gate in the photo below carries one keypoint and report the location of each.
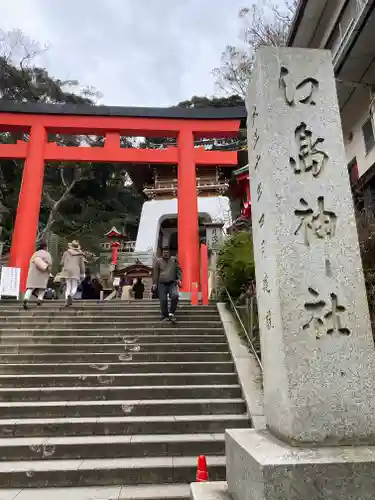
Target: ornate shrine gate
(187, 125)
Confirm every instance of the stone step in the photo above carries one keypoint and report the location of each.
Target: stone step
(119, 408)
(109, 426)
(111, 339)
(103, 313)
(167, 329)
(133, 347)
(98, 472)
(112, 348)
(152, 492)
(119, 393)
(146, 302)
(100, 357)
(85, 303)
(78, 305)
(123, 325)
(210, 490)
(75, 312)
(76, 447)
(104, 394)
(133, 322)
(107, 320)
(119, 492)
(142, 367)
(118, 379)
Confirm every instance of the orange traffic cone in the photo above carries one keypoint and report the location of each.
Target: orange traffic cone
(202, 472)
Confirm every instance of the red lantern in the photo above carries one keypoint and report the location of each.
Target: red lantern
(115, 248)
(114, 234)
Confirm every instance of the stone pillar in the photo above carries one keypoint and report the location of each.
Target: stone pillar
(317, 346)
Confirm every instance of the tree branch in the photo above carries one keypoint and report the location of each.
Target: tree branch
(265, 23)
(62, 176)
(55, 205)
(49, 198)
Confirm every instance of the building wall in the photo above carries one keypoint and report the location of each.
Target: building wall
(332, 31)
(155, 211)
(353, 116)
(166, 235)
(327, 23)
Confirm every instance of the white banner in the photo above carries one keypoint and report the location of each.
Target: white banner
(10, 282)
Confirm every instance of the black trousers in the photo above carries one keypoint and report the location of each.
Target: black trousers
(164, 290)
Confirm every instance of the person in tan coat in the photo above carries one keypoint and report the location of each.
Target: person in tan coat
(39, 273)
(126, 291)
(73, 270)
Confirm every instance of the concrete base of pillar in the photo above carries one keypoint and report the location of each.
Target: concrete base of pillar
(217, 490)
(259, 467)
(187, 296)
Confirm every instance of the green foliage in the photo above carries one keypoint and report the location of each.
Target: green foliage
(214, 102)
(203, 102)
(236, 263)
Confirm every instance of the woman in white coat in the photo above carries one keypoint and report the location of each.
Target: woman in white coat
(39, 272)
(73, 270)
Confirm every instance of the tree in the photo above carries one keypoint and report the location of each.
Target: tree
(265, 23)
(203, 102)
(75, 195)
(21, 80)
(233, 100)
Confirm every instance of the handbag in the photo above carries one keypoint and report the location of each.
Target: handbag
(40, 264)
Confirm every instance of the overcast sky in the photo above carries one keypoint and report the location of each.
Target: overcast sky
(136, 52)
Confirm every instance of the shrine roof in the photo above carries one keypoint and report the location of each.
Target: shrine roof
(113, 232)
(209, 113)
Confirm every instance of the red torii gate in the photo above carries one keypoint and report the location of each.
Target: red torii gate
(39, 120)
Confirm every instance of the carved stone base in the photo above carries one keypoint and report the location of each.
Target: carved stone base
(259, 467)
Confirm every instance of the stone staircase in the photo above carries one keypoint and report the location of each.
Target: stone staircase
(101, 397)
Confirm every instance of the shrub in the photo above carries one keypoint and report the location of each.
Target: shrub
(236, 268)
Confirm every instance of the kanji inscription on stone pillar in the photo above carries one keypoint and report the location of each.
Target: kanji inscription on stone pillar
(313, 312)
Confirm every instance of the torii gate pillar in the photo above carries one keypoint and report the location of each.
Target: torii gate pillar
(27, 217)
(188, 229)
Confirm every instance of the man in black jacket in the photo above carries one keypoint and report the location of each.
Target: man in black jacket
(167, 277)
